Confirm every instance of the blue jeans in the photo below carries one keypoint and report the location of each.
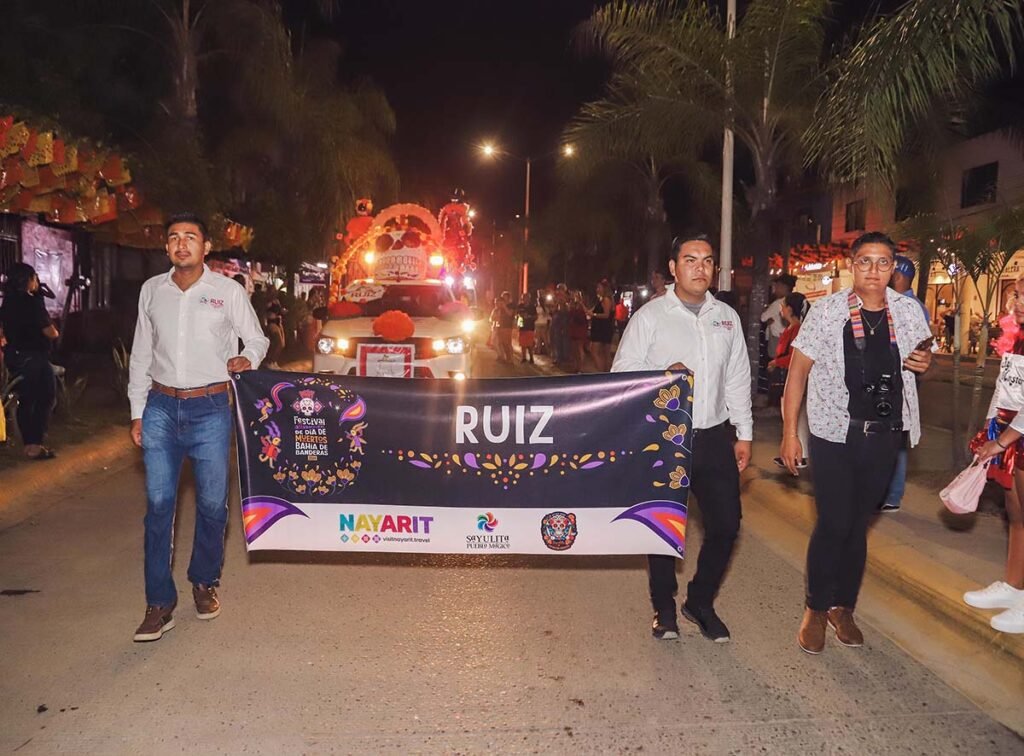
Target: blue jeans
(173, 429)
(898, 484)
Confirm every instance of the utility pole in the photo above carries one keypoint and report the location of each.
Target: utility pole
(728, 150)
(522, 275)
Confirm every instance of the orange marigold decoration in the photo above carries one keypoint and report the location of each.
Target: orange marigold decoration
(394, 325)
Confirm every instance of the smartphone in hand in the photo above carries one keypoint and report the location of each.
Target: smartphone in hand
(925, 344)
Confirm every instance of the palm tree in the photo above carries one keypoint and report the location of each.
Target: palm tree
(635, 141)
(984, 252)
(676, 69)
(885, 86)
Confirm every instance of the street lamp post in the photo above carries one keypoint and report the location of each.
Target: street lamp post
(489, 150)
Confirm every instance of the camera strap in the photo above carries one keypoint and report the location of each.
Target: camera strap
(857, 323)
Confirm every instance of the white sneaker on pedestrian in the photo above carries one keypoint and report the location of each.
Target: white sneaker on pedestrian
(999, 595)
(1010, 621)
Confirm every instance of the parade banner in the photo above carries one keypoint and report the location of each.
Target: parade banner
(587, 464)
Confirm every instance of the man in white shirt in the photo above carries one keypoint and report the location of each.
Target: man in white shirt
(688, 327)
(186, 340)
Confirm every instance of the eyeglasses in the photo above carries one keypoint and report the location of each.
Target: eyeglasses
(878, 263)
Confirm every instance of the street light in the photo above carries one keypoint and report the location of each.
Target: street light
(490, 150)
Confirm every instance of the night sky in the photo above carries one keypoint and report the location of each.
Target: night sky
(462, 71)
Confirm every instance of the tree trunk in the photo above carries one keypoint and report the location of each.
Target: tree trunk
(979, 374)
(758, 292)
(959, 452)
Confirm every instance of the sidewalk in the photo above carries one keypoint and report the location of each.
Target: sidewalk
(923, 549)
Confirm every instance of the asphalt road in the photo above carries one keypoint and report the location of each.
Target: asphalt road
(363, 653)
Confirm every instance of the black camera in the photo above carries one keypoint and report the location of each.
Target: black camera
(881, 392)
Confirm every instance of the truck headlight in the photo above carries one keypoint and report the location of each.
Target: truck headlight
(327, 345)
(468, 326)
(455, 346)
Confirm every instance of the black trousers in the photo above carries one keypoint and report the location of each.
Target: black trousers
(36, 392)
(715, 481)
(849, 481)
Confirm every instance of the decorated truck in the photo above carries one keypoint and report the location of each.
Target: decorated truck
(393, 308)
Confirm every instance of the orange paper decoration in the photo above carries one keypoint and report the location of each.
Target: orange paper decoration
(394, 325)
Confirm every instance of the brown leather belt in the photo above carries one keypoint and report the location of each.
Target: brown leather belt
(193, 393)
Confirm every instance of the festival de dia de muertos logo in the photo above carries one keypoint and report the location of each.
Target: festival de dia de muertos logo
(311, 434)
(559, 531)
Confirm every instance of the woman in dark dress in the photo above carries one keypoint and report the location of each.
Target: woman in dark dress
(29, 332)
(602, 326)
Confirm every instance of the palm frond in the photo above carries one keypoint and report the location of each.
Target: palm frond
(887, 82)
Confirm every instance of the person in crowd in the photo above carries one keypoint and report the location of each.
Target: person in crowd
(274, 330)
(542, 320)
(773, 324)
(855, 357)
(949, 324)
(185, 347)
(492, 319)
(559, 326)
(621, 316)
(659, 283)
(602, 327)
(578, 329)
(782, 286)
(902, 282)
(794, 308)
(526, 319)
(1001, 442)
(505, 323)
(688, 328)
(29, 333)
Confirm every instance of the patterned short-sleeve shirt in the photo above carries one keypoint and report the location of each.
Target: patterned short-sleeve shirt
(821, 339)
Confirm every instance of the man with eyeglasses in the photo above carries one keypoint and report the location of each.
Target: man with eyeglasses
(689, 328)
(856, 356)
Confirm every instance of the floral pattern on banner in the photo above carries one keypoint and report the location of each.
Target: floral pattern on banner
(310, 396)
(506, 471)
(677, 418)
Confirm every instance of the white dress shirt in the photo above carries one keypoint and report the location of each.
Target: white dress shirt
(773, 312)
(711, 344)
(184, 339)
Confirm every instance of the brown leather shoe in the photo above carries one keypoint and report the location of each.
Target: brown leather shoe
(812, 631)
(207, 603)
(158, 620)
(847, 632)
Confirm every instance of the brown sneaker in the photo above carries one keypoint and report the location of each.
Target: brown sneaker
(812, 631)
(207, 603)
(847, 632)
(158, 621)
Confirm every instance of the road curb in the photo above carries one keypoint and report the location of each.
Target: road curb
(25, 483)
(899, 565)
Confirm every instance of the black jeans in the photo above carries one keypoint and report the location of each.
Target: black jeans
(36, 392)
(715, 481)
(849, 481)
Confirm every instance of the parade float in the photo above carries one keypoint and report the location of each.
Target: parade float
(401, 295)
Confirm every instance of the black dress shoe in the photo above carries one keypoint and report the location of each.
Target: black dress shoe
(710, 625)
(664, 626)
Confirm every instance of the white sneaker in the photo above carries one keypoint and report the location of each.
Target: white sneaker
(999, 595)
(1010, 621)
